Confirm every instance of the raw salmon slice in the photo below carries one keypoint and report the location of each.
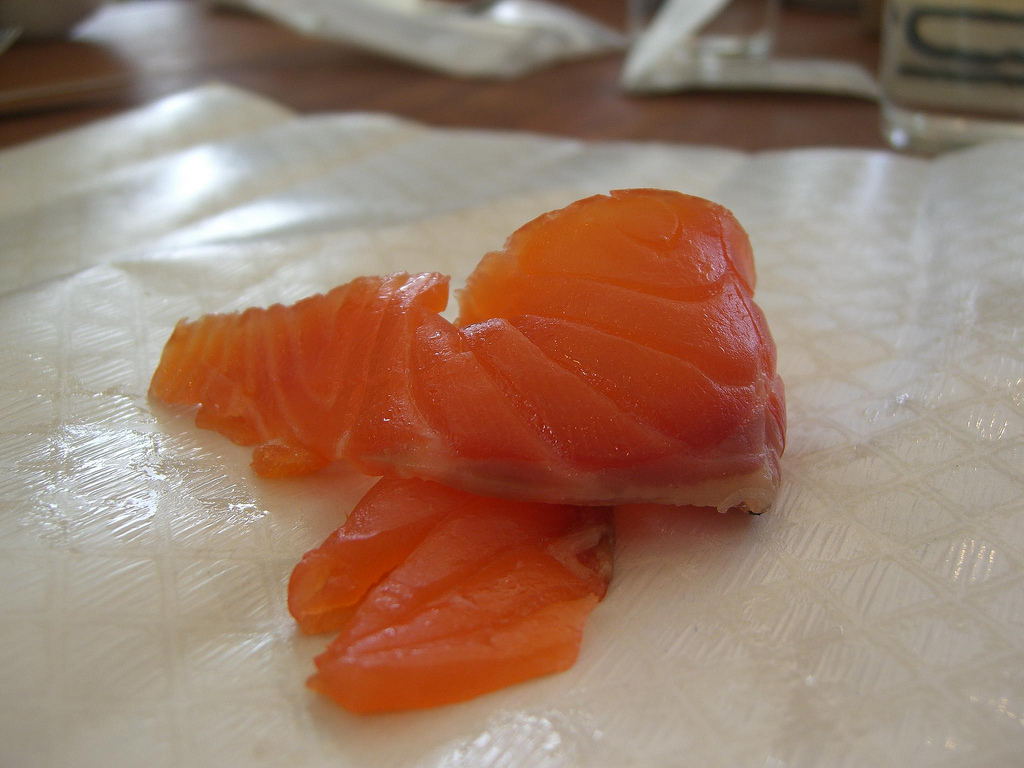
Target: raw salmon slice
(440, 596)
(610, 353)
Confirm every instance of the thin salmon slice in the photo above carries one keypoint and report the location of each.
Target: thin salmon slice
(292, 380)
(440, 596)
(610, 353)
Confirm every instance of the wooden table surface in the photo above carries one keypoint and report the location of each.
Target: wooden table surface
(134, 52)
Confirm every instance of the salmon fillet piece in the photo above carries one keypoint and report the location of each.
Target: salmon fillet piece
(439, 595)
(610, 353)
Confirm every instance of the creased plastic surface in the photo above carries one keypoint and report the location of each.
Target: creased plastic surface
(496, 39)
(664, 58)
(873, 618)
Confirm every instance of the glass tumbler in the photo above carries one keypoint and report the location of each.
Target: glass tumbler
(718, 28)
(952, 72)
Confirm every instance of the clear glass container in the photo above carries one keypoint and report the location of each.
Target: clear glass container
(744, 28)
(952, 72)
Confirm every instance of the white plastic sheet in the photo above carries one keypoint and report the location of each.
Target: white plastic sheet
(873, 617)
(667, 57)
(496, 38)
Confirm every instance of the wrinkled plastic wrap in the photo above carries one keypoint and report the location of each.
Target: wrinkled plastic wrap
(874, 617)
(668, 56)
(490, 38)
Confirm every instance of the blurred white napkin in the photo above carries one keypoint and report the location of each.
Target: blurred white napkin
(659, 61)
(505, 38)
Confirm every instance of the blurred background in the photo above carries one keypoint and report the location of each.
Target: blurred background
(71, 61)
(923, 75)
